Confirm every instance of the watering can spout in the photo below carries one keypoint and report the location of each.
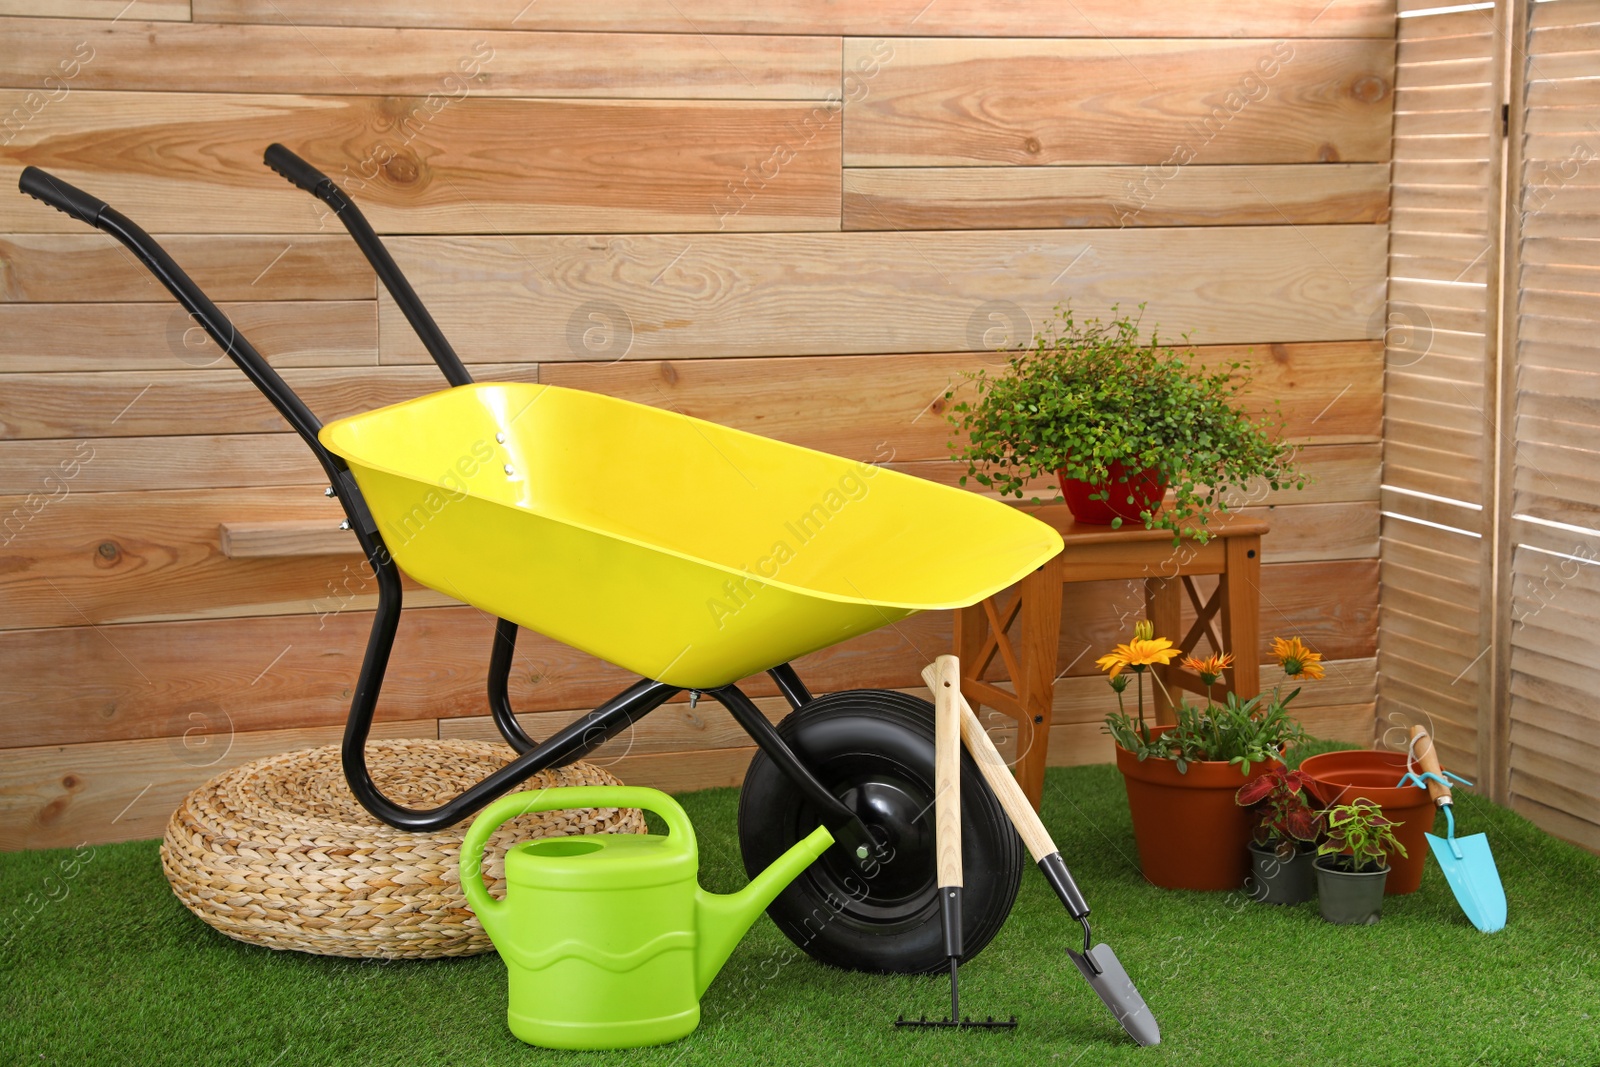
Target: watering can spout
(722, 919)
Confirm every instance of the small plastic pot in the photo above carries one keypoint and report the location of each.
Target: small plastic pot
(1346, 898)
(1280, 881)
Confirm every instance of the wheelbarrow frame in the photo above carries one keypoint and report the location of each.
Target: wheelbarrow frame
(580, 737)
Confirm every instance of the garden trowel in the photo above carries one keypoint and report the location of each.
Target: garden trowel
(1098, 965)
(1467, 863)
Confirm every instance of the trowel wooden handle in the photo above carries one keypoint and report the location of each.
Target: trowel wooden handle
(1422, 751)
(998, 775)
(946, 686)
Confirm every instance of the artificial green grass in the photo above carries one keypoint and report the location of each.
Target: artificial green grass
(107, 967)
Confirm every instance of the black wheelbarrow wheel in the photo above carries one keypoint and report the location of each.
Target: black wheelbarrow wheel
(873, 749)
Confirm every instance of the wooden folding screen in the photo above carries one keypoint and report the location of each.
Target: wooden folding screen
(1550, 500)
(1435, 617)
(1490, 602)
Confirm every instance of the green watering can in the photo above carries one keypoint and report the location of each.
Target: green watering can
(608, 939)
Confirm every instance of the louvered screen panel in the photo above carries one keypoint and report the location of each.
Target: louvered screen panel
(1555, 471)
(1438, 465)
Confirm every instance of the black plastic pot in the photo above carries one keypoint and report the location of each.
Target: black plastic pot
(1349, 899)
(1280, 881)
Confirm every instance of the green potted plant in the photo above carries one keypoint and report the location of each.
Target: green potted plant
(1118, 422)
(1353, 862)
(1182, 779)
(1283, 844)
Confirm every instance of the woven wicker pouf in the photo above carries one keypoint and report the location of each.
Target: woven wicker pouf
(279, 853)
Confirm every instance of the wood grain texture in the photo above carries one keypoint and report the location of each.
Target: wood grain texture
(79, 683)
(961, 18)
(173, 10)
(1039, 102)
(192, 162)
(449, 64)
(275, 540)
(130, 464)
(63, 267)
(671, 297)
(554, 177)
(893, 407)
(976, 198)
(55, 796)
(199, 401)
(947, 712)
(159, 337)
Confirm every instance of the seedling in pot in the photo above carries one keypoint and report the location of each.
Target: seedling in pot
(1360, 838)
(1288, 823)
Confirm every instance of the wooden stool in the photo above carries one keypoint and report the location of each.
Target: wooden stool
(1097, 553)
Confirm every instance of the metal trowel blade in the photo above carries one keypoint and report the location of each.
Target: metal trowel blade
(1474, 878)
(1116, 989)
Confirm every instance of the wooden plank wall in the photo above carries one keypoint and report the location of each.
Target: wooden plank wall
(803, 219)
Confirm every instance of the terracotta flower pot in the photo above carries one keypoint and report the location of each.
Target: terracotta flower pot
(1191, 834)
(1146, 486)
(1281, 881)
(1349, 898)
(1340, 777)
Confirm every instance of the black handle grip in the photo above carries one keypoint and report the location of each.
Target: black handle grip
(291, 166)
(61, 196)
(1060, 879)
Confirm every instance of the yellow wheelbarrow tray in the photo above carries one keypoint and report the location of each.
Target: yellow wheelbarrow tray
(690, 553)
(679, 549)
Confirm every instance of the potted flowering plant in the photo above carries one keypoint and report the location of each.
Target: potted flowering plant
(1353, 862)
(1182, 779)
(1119, 421)
(1284, 841)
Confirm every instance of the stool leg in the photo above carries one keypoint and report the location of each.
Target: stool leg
(1163, 608)
(1241, 614)
(1038, 639)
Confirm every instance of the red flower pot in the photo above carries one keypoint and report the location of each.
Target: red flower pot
(1190, 832)
(1340, 777)
(1146, 487)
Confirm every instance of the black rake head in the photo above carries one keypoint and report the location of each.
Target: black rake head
(991, 1023)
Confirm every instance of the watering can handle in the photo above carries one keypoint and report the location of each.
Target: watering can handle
(1423, 752)
(487, 908)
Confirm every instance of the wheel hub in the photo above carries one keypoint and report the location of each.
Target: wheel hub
(900, 887)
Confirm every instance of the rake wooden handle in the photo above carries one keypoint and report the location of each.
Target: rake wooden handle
(946, 686)
(997, 774)
(1422, 751)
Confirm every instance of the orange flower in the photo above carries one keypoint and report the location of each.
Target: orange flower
(1137, 655)
(1296, 658)
(1210, 668)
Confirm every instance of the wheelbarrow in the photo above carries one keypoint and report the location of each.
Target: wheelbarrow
(729, 555)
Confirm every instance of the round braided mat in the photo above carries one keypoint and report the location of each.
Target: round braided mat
(279, 853)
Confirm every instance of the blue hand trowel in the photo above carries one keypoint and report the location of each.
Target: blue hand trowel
(1467, 863)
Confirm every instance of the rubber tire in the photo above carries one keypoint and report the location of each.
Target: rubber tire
(865, 736)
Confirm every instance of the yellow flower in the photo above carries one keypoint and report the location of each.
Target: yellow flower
(1210, 668)
(1138, 654)
(1144, 630)
(1296, 658)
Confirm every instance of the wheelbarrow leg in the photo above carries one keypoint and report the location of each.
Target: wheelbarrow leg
(505, 646)
(790, 685)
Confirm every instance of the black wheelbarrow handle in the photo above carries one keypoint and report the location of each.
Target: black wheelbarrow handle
(65, 198)
(305, 176)
(97, 213)
(297, 170)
